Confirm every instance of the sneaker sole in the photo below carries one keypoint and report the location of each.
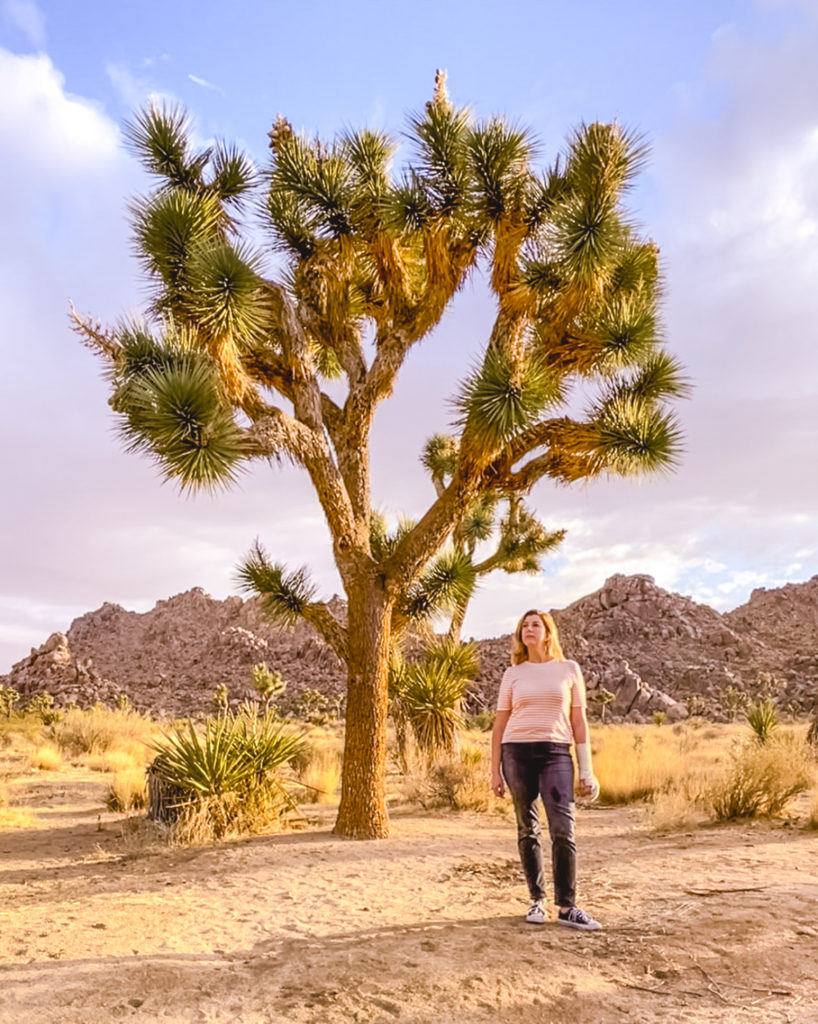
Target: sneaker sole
(535, 920)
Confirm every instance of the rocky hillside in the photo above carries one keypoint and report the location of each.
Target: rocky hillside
(651, 648)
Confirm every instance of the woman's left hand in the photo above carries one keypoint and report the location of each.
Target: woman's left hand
(589, 787)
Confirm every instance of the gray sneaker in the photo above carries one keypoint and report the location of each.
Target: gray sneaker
(536, 914)
(576, 918)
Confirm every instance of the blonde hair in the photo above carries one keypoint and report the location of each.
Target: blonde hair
(519, 651)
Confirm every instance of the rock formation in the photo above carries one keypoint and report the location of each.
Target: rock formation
(651, 649)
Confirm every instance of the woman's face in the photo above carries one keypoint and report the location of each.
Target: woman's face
(533, 632)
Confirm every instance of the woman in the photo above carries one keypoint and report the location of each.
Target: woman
(540, 712)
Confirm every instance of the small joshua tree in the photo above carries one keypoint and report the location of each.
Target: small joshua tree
(268, 685)
(603, 698)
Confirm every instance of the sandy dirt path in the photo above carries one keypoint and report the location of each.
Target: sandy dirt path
(717, 925)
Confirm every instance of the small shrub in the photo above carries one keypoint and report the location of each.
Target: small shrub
(46, 757)
(459, 782)
(320, 775)
(221, 699)
(658, 717)
(812, 732)
(812, 815)
(482, 721)
(762, 717)
(759, 780)
(678, 807)
(128, 790)
(696, 705)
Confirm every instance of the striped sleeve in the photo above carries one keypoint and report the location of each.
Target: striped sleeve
(504, 697)
(577, 688)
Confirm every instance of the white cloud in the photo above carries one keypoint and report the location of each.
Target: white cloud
(27, 17)
(205, 84)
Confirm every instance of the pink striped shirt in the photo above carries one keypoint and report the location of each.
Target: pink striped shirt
(539, 696)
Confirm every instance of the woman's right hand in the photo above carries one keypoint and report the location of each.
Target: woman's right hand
(498, 786)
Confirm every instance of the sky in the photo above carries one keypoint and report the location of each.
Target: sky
(726, 92)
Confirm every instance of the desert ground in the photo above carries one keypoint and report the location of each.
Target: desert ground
(715, 924)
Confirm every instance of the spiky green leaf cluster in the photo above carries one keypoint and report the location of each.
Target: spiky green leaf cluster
(504, 397)
(172, 408)
(443, 585)
(284, 594)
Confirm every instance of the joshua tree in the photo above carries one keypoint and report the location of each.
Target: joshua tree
(231, 365)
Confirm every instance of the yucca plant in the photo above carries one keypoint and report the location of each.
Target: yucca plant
(223, 768)
(427, 698)
(762, 717)
(230, 364)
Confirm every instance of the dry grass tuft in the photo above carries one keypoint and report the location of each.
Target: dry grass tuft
(47, 757)
(99, 729)
(320, 773)
(128, 790)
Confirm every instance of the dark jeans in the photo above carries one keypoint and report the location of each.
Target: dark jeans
(533, 770)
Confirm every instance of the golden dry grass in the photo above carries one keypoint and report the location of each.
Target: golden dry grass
(12, 817)
(47, 757)
(128, 789)
(318, 766)
(98, 730)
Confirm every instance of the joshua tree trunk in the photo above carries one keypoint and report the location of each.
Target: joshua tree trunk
(362, 810)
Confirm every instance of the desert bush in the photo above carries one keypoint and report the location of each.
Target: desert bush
(99, 729)
(46, 757)
(658, 717)
(812, 814)
(481, 721)
(128, 790)
(461, 781)
(229, 776)
(734, 702)
(696, 705)
(759, 780)
(762, 717)
(318, 766)
(429, 701)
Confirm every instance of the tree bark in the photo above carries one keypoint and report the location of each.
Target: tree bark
(362, 810)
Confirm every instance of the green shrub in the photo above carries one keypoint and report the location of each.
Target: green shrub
(482, 721)
(228, 777)
(658, 717)
(759, 780)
